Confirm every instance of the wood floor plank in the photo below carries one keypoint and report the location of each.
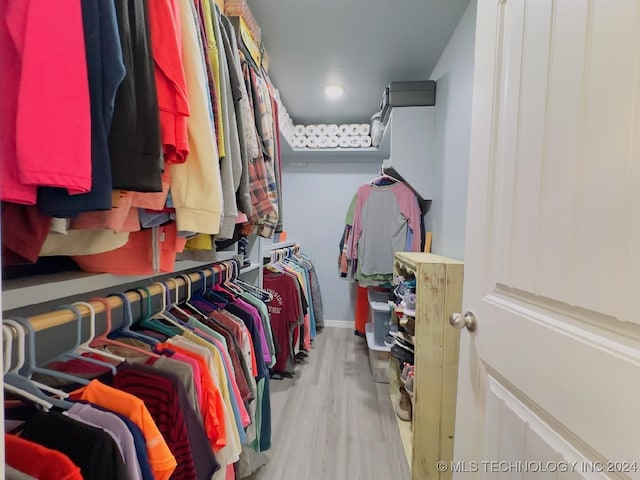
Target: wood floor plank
(333, 422)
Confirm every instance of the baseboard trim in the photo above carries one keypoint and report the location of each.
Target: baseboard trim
(338, 324)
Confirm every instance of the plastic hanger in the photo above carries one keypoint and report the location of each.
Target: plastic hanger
(219, 281)
(7, 337)
(125, 328)
(175, 305)
(164, 314)
(200, 295)
(72, 353)
(194, 322)
(146, 320)
(214, 295)
(254, 290)
(86, 346)
(20, 334)
(18, 329)
(31, 352)
(382, 175)
(187, 303)
(242, 286)
(22, 384)
(172, 306)
(103, 338)
(230, 277)
(37, 399)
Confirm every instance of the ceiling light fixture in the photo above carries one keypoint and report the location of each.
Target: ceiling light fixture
(333, 91)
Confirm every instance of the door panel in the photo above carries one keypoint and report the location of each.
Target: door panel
(552, 262)
(565, 130)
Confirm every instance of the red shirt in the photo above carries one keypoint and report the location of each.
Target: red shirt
(284, 311)
(171, 84)
(38, 461)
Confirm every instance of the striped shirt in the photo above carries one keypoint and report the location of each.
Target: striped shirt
(161, 399)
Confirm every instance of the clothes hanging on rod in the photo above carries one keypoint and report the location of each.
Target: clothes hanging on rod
(197, 399)
(296, 311)
(384, 217)
(204, 128)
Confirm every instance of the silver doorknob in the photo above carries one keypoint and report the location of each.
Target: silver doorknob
(458, 321)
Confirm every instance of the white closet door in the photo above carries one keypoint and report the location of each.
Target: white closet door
(549, 382)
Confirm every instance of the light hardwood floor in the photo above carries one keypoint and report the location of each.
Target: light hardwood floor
(333, 422)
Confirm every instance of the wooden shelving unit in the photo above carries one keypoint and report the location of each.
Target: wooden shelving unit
(439, 294)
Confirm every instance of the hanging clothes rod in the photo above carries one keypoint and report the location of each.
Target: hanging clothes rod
(275, 246)
(57, 318)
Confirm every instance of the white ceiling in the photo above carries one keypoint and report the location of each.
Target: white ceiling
(362, 44)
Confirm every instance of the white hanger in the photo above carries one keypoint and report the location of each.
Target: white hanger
(187, 284)
(85, 346)
(162, 313)
(21, 334)
(187, 280)
(28, 396)
(7, 336)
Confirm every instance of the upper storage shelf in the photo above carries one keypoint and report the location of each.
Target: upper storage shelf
(372, 154)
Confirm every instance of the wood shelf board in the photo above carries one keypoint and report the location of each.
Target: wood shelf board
(405, 433)
(405, 428)
(411, 260)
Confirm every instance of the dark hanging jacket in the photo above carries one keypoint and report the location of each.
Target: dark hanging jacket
(134, 141)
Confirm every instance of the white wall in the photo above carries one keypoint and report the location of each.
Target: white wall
(454, 76)
(316, 197)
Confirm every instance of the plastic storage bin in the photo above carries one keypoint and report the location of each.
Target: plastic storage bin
(379, 314)
(378, 358)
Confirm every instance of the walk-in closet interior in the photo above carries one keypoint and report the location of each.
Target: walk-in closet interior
(232, 236)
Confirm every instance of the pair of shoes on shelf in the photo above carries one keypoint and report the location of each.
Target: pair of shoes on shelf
(391, 334)
(397, 293)
(408, 324)
(407, 370)
(408, 303)
(388, 340)
(406, 293)
(404, 354)
(403, 405)
(407, 376)
(404, 340)
(408, 385)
